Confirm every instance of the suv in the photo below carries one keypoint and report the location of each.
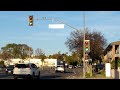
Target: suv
(70, 66)
(29, 70)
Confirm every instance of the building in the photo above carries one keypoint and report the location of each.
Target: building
(38, 62)
(112, 52)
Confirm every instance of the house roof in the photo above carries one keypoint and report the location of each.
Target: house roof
(110, 46)
(115, 43)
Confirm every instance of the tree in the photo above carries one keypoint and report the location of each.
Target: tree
(72, 59)
(16, 51)
(58, 56)
(40, 54)
(97, 43)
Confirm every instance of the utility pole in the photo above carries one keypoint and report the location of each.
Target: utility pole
(29, 54)
(84, 71)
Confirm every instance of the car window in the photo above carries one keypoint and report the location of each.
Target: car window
(22, 65)
(33, 66)
(11, 66)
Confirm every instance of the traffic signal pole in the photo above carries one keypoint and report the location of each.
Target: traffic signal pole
(84, 71)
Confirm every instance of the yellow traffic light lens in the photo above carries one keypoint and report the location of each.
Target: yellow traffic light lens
(30, 20)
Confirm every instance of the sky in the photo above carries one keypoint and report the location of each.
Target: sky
(15, 29)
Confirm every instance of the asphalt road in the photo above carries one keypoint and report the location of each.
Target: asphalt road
(50, 74)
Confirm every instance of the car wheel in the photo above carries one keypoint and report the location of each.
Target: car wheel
(6, 72)
(56, 71)
(33, 75)
(15, 77)
(29, 77)
(38, 75)
(11, 72)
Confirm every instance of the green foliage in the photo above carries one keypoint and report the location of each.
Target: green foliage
(2, 63)
(73, 59)
(87, 75)
(97, 43)
(16, 51)
(113, 64)
(42, 57)
(59, 56)
(102, 72)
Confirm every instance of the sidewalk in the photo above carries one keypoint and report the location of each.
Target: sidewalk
(95, 77)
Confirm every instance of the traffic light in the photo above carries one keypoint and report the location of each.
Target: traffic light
(30, 20)
(87, 46)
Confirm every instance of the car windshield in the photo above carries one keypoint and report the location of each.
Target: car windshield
(22, 65)
(60, 66)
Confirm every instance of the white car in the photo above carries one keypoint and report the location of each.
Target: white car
(29, 70)
(60, 68)
(70, 66)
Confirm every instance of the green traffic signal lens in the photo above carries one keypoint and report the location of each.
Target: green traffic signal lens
(86, 49)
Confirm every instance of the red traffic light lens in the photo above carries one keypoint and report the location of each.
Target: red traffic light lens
(30, 17)
(86, 43)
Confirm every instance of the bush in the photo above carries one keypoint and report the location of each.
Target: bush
(102, 72)
(113, 64)
(87, 75)
(2, 64)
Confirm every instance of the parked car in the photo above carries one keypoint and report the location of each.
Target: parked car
(29, 70)
(60, 68)
(9, 69)
(99, 67)
(70, 66)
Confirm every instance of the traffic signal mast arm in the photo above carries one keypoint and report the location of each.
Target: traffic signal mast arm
(44, 18)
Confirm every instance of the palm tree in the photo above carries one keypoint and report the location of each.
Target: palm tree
(42, 59)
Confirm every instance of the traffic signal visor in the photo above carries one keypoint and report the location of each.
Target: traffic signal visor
(30, 20)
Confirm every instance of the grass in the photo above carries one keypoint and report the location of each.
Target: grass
(101, 74)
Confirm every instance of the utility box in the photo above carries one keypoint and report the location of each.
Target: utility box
(108, 70)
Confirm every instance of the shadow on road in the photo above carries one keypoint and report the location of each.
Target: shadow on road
(49, 77)
(68, 72)
(5, 75)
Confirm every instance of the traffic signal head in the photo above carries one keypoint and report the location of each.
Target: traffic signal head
(30, 20)
(87, 46)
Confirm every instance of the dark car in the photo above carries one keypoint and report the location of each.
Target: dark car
(9, 69)
(99, 67)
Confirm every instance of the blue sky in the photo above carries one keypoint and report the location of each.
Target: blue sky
(14, 28)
